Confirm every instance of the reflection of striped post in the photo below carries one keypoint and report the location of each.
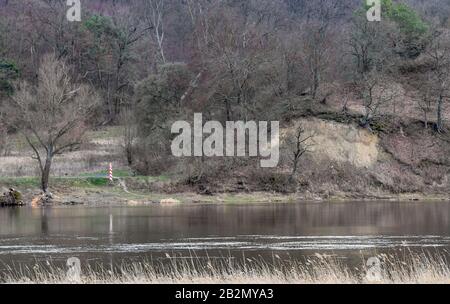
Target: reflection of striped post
(110, 173)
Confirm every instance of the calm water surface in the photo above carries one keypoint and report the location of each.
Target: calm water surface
(115, 234)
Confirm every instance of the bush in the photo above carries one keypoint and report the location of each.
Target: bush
(8, 72)
(158, 97)
(274, 182)
(157, 102)
(151, 161)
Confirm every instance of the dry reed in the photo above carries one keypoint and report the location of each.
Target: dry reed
(395, 269)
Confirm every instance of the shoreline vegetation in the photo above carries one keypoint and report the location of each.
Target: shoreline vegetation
(97, 191)
(79, 178)
(423, 268)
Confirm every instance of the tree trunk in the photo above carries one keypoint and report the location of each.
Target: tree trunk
(425, 117)
(228, 109)
(316, 82)
(129, 153)
(295, 167)
(46, 173)
(439, 125)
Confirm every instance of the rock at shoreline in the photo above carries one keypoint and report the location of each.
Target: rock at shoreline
(11, 198)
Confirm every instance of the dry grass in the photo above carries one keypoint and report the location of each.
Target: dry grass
(416, 268)
(71, 164)
(100, 148)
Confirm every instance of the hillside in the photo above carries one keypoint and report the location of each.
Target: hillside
(363, 106)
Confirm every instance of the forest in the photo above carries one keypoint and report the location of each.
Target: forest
(363, 106)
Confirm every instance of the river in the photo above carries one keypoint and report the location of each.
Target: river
(350, 231)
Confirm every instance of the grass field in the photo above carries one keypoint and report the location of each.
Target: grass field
(100, 148)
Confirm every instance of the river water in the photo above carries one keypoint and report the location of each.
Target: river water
(113, 235)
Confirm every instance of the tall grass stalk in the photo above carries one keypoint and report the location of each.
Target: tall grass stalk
(396, 268)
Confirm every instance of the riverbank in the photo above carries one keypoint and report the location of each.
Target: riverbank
(348, 164)
(126, 191)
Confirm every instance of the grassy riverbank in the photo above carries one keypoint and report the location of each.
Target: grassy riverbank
(95, 189)
(138, 190)
(127, 190)
(394, 269)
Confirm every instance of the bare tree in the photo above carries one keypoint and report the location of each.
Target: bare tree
(155, 13)
(51, 115)
(370, 44)
(198, 13)
(316, 47)
(232, 59)
(377, 93)
(130, 133)
(439, 53)
(108, 63)
(318, 39)
(4, 140)
(298, 144)
(426, 101)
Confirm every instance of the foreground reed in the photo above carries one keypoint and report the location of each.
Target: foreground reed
(393, 268)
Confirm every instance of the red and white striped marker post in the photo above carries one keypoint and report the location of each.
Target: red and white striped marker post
(110, 173)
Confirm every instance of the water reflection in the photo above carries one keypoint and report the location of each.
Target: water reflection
(113, 233)
(44, 221)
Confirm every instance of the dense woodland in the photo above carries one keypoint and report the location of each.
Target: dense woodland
(144, 64)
